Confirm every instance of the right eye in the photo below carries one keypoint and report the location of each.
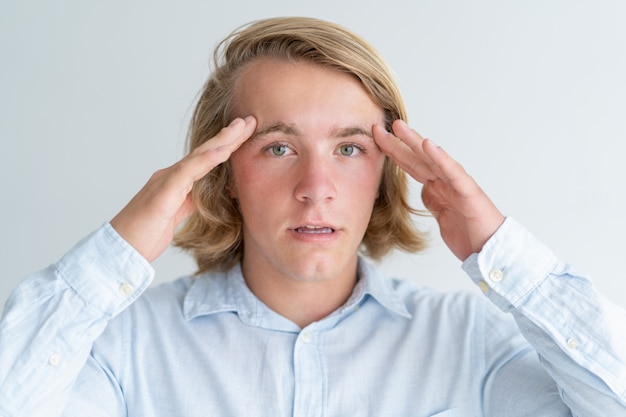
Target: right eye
(278, 150)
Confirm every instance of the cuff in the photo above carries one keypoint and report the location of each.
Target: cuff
(106, 271)
(511, 265)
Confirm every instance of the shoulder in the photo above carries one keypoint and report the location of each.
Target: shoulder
(458, 311)
(422, 300)
(410, 299)
(156, 307)
(168, 294)
(420, 297)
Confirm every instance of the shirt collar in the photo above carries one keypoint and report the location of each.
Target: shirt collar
(373, 283)
(220, 292)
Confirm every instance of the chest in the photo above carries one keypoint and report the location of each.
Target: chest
(218, 368)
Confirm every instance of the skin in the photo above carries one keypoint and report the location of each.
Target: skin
(466, 216)
(305, 183)
(302, 276)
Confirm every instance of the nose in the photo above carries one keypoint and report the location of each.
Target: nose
(315, 180)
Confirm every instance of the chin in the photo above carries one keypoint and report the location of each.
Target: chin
(321, 269)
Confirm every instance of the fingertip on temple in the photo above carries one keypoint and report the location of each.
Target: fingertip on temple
(379, 132)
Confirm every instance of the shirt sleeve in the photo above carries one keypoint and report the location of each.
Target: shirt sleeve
(53, 317)
(577, 333)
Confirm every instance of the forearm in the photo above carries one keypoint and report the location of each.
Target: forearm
(576, 332)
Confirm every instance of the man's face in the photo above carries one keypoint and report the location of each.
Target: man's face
(307, 179)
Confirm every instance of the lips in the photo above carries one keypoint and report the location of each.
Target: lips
(314, 230)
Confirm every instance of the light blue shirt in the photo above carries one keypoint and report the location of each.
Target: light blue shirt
(207, 346)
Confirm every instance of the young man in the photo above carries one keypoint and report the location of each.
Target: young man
(296, 166)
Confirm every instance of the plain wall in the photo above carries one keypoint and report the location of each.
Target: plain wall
(529, 96)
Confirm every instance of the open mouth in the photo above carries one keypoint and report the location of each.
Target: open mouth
(314, 230)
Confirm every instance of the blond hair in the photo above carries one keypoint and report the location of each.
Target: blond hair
(213, 234)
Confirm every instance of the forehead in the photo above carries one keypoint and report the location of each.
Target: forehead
(288, 91)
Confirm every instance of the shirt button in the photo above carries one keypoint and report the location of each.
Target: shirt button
(496, 275)
(483, 287)
(126, 290)
(306, 337)
(54, 359)
(572, 343)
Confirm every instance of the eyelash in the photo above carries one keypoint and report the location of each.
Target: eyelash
(270, 149)
(358, 148)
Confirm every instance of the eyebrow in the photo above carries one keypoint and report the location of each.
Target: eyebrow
(277, 127)
(341, 132)
(346, 132)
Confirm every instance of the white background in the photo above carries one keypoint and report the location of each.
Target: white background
(529, 95)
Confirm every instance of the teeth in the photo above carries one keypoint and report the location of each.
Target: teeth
(314, 229)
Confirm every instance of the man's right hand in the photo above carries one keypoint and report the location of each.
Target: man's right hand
(149, 220)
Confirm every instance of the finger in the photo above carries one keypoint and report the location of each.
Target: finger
(460, 193)
(438, 161)
(416, 142)
(451, 171)
(230, 137)
(398, 151)
(180, 177)
(407, 135)
(411, 159)
(219, 148)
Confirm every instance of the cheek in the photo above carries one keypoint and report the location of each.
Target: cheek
(249, 181)
(232, 184)
(232, 171)
(371, 177)
(240, 174)
(232, 188)
(361, 191)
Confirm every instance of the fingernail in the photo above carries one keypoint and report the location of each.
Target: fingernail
(249, 119)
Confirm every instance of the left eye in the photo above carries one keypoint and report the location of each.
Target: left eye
(278, 150)
(347, 150)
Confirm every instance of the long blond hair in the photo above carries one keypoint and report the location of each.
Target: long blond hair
(213, 234)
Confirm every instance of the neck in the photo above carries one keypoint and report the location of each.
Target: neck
(302, 302)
